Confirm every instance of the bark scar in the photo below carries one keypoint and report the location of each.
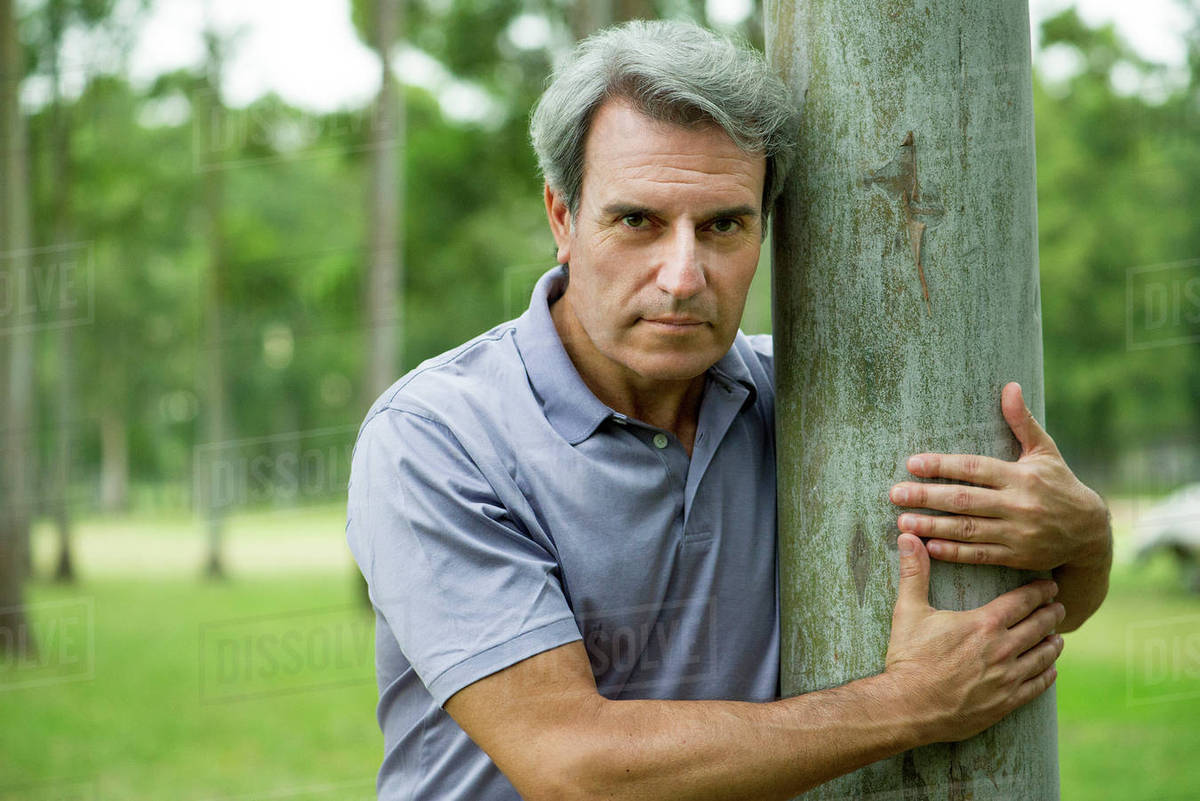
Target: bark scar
(859, 557)
(900, 177)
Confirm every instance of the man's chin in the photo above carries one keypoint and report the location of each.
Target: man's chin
(673, 366)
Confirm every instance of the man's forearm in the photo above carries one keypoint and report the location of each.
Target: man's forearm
(737, 750)
(1083, 584)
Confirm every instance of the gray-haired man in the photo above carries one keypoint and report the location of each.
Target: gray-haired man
(568, 523)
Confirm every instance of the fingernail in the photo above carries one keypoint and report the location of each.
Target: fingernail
(1058, 640)
(906, 546)
(916, 464)
(906, 522)
(899, 494)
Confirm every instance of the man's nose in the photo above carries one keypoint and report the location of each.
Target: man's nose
(681, 274)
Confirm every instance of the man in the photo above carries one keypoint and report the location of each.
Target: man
(568, 523)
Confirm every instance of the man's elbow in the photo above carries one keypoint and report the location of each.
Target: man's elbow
(582, 762)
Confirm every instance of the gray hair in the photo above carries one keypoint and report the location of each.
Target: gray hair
(675, 72)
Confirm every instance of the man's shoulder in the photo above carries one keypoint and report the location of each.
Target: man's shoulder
(762, 346)
(757, 352)
(471, 376)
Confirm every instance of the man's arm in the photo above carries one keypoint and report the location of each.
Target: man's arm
(1032, 514)
(949, 675)
(1083, 585)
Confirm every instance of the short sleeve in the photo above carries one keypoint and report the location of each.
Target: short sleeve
(465, 591)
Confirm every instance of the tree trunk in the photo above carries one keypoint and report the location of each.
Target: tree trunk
(114, 460)
(64, 569)
(16, 340)
(906, 295)
(588, 16)
(212, 117)
(385, 329)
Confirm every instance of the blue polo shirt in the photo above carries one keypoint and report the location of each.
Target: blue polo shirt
(497, 509)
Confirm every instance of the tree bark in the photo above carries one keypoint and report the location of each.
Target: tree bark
(906, 296)
(16, 340)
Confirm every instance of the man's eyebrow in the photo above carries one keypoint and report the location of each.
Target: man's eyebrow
(736, 211)
(620, 209)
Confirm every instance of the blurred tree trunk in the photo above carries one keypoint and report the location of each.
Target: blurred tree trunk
(589, 16)
(385, 270)
(906, 296)
(60, 134)
(211, 113)
(633, 9)
(385, 208)
(114, 460)
(16, 342)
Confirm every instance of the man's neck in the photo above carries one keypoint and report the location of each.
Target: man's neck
(670, 405)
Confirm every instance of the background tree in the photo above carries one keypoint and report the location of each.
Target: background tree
(384, 287)
(16, 343)
(212, 124)
(56, 17)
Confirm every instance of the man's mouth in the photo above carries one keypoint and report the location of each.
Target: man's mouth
(675, 321)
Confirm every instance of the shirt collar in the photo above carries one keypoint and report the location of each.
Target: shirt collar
(568, 404)
(732, 367)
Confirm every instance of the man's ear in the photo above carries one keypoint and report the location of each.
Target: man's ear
(560, 223)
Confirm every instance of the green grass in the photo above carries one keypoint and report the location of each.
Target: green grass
(138, 721)
(156, 714)
(1129, 729)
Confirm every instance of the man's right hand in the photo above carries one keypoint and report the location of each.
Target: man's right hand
(961, 672)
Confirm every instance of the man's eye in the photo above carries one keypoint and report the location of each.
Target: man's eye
(725, 225)
(635, 220)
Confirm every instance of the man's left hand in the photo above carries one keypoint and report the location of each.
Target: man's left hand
(1032, 514)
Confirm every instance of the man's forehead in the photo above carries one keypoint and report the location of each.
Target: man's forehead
(625, 145)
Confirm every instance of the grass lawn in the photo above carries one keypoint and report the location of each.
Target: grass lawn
(236, 690)
(1129, 693)
(164, 687)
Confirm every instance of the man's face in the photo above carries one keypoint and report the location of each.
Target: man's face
(665, 242)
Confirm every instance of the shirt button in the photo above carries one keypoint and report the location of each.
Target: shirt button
(660, 441)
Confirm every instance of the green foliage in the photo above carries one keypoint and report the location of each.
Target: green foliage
(1118, 180)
